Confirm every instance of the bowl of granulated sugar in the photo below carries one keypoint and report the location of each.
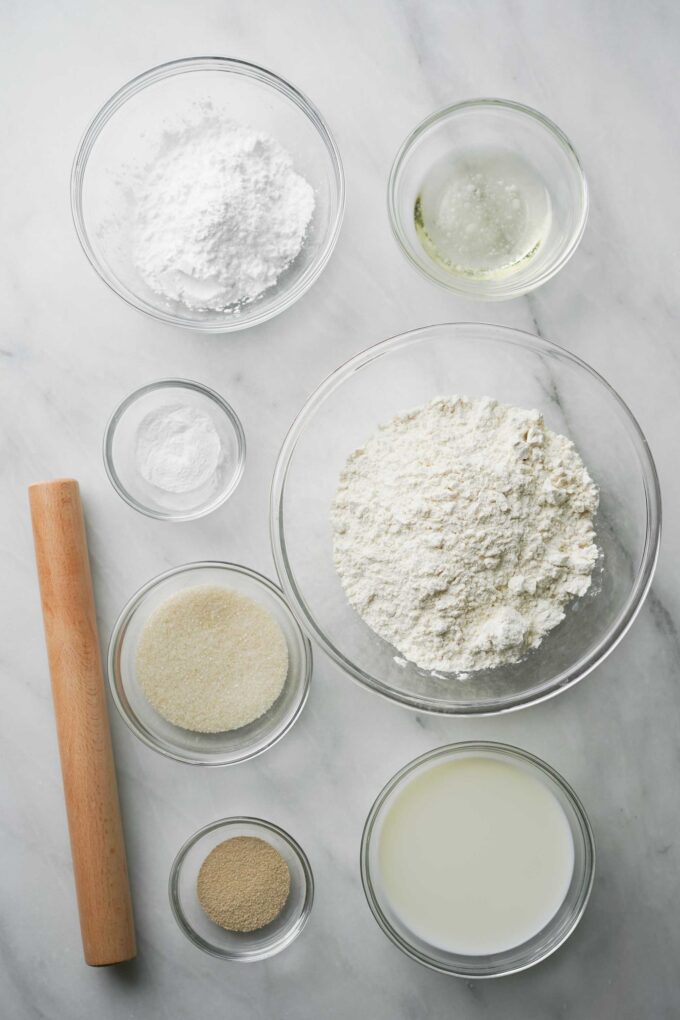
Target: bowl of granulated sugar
(207, 664)
(208, 193)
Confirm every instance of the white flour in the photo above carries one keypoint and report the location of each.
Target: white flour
(220, 213)
(177, 448)
(461, 531)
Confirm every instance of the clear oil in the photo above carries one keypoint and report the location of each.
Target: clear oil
(483, 213)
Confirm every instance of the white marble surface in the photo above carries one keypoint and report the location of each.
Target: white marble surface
(69, 349)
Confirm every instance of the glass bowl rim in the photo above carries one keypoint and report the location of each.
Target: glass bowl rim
(224, 407)
(507, 751)
(586, 663)
(128, 610)
(168, 70)
(291, 933)
(458, 285)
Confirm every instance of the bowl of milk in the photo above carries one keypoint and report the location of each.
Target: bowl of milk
(477, 859)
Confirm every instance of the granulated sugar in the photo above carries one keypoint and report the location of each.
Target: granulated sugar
(211, 659)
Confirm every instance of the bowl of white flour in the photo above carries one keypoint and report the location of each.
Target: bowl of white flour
(209, 193)
(466, 518)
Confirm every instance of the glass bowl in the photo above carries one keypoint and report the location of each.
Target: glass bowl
(185, 745)
(239, 946)
(119, 451)
(555, 932)
(475, 360)
(513, 129)
(125, 133)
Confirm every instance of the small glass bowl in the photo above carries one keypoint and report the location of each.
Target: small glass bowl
(125, 133)
(512, 128)
(186, 745)
(119, 452)
(244, 947)
(555, 932)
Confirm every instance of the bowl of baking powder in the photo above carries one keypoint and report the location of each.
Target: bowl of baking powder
(174, 450)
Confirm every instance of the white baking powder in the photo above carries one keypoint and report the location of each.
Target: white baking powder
(219, 214)
(461, 531)
(177, 448)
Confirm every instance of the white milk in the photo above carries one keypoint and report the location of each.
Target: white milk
(475, 855)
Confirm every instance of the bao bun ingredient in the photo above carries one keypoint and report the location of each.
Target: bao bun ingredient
(475, 855)
(219, 213)
(243, 884)
(177, 448)
(462, 529)
(210, 659)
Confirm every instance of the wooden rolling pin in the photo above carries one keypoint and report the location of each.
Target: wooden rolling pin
(90, 788)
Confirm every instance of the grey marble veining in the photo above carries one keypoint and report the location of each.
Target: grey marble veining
(70, 349)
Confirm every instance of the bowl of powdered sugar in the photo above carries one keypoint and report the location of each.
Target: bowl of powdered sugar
(209, 193)
(466, 518)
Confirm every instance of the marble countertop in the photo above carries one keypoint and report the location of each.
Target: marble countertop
(607, 73)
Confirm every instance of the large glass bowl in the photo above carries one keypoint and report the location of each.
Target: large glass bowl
(516, 368)
(125, 132)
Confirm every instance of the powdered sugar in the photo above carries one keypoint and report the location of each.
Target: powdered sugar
(461, 531)
(219, 214)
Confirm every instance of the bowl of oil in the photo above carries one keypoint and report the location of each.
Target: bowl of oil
(488, 198)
